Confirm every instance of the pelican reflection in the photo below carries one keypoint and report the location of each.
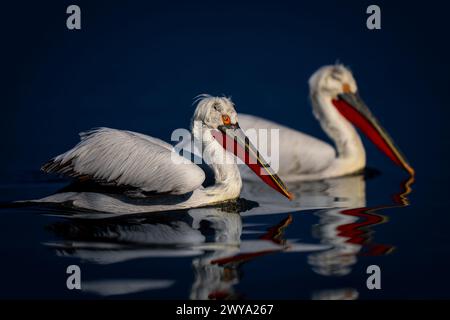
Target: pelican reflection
(218, 243)
(211, 236)
(350, 230)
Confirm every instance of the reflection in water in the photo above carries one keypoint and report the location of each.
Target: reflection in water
(345, 223)
(218, 271)
(349, 231)
(336, 294)
(213, 237)
(343, 192)
(124, 286)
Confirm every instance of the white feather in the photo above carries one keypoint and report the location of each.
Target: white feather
(126, 158)
(299, 153)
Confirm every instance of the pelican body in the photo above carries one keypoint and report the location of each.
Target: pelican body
(151, 175)
(338, 107)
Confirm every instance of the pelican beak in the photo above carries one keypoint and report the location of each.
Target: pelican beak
(353, 108)
(234, 140)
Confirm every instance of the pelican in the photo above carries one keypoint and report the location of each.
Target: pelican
(152, 176)
(338, 107)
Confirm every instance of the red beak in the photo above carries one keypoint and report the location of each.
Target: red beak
(352, 107)
(234, 140)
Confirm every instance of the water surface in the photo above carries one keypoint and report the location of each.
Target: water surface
(316, 247)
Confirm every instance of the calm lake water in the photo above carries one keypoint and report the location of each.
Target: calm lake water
(316, 247)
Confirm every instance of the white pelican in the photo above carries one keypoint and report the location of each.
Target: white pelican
(154, 176)
(337, 106)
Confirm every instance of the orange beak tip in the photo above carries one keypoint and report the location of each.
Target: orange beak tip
(290, 195)
(411, 171)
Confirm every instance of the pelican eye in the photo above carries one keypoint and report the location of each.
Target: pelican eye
(226, 119)
(346, 88)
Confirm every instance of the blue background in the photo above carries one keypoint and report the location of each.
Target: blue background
(138, 64)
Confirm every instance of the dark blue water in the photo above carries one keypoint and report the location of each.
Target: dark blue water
(137, 66)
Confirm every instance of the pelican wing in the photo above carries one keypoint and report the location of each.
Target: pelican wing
(299, 153)
(125, 158)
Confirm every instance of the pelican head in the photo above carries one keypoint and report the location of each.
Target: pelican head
(217, 116)
(332, 81)
(215, 112)
(335, 87)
